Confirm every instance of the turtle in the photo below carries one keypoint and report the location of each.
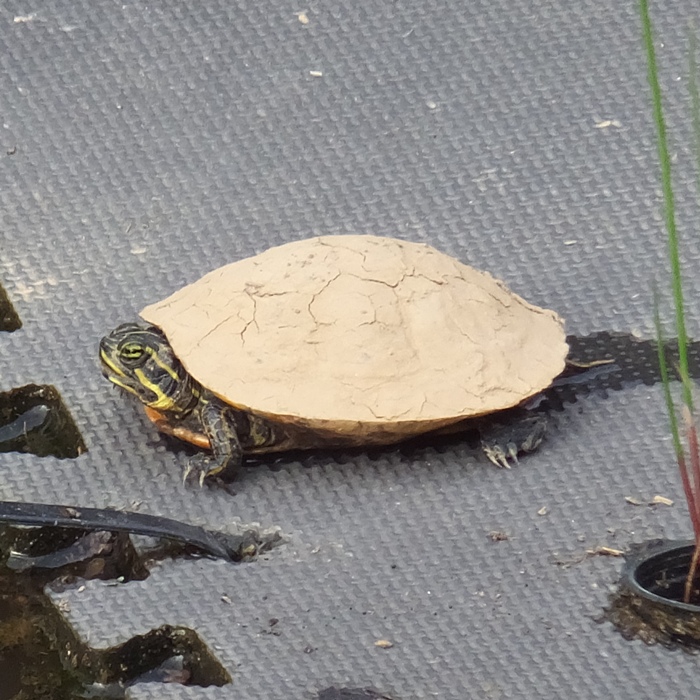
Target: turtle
(338, 341)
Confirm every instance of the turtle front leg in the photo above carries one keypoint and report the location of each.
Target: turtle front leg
(226, 452)
(502, 443)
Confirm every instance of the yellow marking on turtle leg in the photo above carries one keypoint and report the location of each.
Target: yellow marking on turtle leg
(223, 437)
(259, 431)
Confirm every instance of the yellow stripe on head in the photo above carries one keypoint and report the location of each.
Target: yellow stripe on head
(163, 402)
(121, 385)
(166, 368)
(107, 361)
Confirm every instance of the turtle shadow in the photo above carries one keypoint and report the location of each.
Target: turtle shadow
(406, 452)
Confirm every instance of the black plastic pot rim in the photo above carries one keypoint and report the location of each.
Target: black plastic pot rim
(650, 550)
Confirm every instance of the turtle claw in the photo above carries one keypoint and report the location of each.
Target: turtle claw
(192, 473)
(206, 468)
(499, 457)
(502, 444)
(198, 469)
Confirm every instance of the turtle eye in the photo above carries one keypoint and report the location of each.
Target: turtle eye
(132, 353)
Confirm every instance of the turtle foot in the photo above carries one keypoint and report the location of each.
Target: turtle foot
(196, 470)
(503, 443)
(202, 467)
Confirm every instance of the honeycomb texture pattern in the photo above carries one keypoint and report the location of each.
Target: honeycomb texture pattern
(144, 144)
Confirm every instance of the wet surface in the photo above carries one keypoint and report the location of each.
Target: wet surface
(41, 656)
(9, 319)
(191, 538)
(648, 604)
(34, 419)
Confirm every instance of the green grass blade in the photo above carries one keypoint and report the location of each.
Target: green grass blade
(666, 380)
(669, 202)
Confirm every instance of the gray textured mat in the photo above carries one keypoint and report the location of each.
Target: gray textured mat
(143, 144)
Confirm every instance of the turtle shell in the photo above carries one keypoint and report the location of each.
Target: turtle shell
(361, 335)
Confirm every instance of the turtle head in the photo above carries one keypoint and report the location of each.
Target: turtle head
(140, 360)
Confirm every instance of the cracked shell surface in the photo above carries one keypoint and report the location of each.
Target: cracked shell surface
(359, 334)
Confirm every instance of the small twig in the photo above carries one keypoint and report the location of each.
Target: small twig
(601, 551)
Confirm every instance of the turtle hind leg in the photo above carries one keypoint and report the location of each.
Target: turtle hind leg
(503, 442)
(226, 452)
